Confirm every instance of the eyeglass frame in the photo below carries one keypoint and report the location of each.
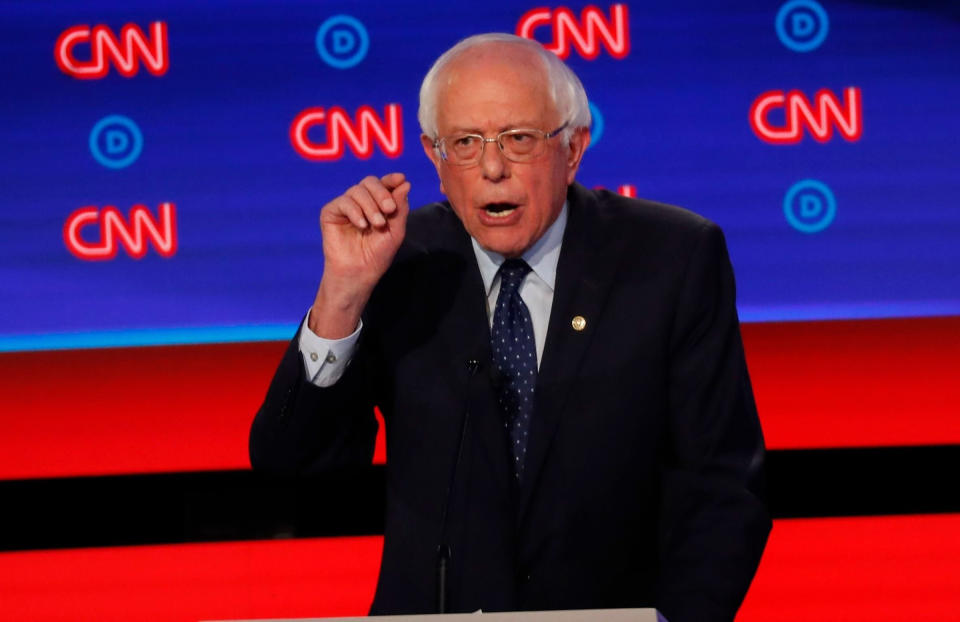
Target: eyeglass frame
(496, 139)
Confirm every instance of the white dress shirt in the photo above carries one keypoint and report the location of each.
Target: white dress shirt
(326, 359)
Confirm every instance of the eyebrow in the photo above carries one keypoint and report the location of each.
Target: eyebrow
(523, 125)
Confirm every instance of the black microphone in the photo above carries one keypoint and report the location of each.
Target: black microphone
(443, 549)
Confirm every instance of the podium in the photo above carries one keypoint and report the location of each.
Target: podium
(577, 615)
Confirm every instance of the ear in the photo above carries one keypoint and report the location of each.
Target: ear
(434, 155)
(579, 142)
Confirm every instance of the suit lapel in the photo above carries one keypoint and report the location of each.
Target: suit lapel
(585, 270)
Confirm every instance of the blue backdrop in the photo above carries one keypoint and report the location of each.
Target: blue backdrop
(863, 223)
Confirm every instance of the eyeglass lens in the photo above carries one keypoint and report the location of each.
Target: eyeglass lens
(515, 144)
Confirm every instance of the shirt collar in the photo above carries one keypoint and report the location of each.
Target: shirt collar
(542, 257)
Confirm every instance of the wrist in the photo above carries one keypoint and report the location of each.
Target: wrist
(336, 310)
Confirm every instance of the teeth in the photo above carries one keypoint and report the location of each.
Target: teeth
(502, 214)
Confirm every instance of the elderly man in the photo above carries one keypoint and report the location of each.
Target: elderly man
(570, 422)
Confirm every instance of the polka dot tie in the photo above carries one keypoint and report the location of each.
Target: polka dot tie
(515, 357)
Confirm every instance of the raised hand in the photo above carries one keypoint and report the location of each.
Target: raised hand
(362, 230)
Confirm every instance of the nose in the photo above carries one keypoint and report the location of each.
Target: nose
(492, 162)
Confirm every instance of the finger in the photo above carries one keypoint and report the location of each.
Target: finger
(379, 193)
(349, 209)
(392, 180)
(369, 206)
(339, 210)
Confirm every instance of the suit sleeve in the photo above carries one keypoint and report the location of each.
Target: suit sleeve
(714, 522)
(302, 428)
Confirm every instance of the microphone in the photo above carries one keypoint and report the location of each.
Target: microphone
(443, 549)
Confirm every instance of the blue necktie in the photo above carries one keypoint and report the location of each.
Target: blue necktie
(515, 357)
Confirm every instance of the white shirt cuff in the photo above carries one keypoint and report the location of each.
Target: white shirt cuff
(325, 360)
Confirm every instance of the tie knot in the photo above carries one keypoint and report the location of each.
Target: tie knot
(512, 272)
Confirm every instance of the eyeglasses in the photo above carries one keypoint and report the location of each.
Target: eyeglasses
(515, 145)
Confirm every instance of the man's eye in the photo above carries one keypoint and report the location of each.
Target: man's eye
(465, 141)
(520, 137)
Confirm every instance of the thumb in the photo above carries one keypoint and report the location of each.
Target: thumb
(399, 217)
(400, 194)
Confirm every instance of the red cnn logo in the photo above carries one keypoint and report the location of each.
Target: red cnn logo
(359, 135)
(819, 117)
(124, 53)
(586, 35)
(132, 233)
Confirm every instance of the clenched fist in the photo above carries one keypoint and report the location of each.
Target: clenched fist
(362, 230)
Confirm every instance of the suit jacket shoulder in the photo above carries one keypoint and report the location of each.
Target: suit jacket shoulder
(610, 217)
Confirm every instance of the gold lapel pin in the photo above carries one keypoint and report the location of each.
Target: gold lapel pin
(579, 323)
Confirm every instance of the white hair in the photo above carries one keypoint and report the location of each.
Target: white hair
(566, 91)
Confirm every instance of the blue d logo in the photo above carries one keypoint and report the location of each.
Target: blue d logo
(596, 125)
(116, 141)
(802, 25)
(342, 41)
(809, 206)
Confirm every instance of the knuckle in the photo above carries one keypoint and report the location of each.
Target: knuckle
(379, 190)
(358, 196)
(370, 184)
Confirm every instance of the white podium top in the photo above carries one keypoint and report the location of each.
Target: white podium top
(578, 615)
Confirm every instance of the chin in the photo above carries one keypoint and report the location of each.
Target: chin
(508, 247)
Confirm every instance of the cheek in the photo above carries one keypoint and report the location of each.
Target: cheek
(552, 185)
(456, 191)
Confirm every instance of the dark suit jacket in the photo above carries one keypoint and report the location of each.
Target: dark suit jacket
(643, 480)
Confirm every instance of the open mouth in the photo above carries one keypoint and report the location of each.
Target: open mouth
(500, 210)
